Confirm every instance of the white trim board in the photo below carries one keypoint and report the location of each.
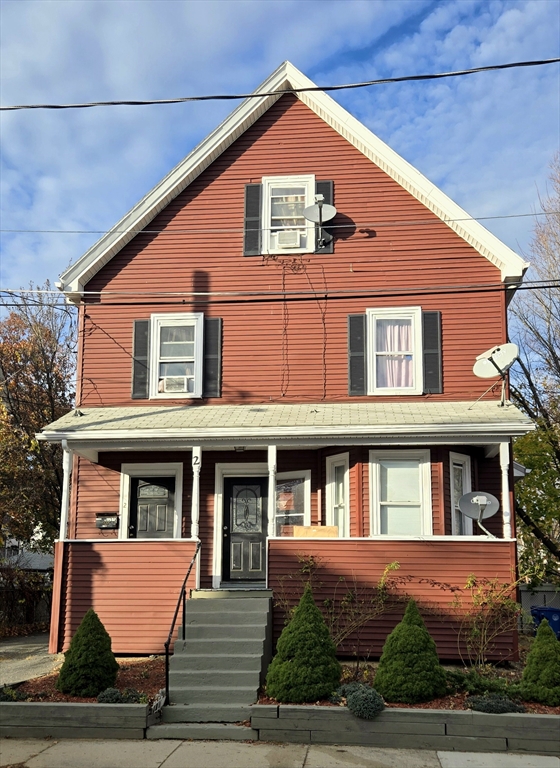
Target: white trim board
(285, 78)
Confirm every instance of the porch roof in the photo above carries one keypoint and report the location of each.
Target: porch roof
(161, 426)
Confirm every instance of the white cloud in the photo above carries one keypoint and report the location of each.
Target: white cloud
(485, 139)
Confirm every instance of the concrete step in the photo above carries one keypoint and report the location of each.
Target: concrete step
(226, 631)
(190, 662)
(231, 594)
(228, 618)
(212, 694)
(232, 646)
(197, 678)
(206, 713)
(201, 731)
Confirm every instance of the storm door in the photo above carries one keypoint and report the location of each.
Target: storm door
(245, 529)
(152, 508)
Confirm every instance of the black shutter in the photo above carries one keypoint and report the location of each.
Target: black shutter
(357, 355)
(212, 376)
(431, 343)
(252, 240)
(326, 189)
(141, 360)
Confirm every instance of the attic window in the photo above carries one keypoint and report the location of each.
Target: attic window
(285, 229)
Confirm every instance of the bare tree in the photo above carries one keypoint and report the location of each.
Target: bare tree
(536, 389)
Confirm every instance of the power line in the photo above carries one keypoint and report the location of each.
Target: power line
(233, 230)
(230, 97)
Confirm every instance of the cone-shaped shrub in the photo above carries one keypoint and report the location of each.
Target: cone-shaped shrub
(305, 666)
(89, 664)
(541, 677)
(409, 670)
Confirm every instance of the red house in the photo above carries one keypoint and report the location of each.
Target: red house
(274, 388)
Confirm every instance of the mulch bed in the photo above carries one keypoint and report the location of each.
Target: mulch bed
(146, 675)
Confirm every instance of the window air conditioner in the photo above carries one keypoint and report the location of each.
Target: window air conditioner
(288, 238)
(174, 383)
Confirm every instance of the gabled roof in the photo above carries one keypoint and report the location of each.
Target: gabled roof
(285, 79)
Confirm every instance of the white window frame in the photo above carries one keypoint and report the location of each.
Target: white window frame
(306, 180)
(331, 462)
(159, 321)
(306, 475)
(465, 462)
(128, 471)
(395, 313)
(426, 520)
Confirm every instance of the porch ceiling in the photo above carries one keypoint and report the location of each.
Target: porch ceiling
(254, 426)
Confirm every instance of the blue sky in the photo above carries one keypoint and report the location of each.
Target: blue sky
(486, 140)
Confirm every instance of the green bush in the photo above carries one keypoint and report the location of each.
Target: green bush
(365, 702)
(493, 703)
(305, 666)
(541, 676)
(110, 696)
(89, 664)
(474, 683)
(128, 696)
(409, 670)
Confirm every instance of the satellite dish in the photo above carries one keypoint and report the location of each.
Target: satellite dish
(319, 213)
(495, 361)
(479, 506)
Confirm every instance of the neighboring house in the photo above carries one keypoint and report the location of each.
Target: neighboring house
(249, 381)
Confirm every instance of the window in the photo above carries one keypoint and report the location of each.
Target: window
(394, 351)
(176, 352)
(151, 501)
(337, 493)
(285, 229)
(400, 492)
(293, 501)
(460, 468)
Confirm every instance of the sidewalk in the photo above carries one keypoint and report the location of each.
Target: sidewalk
(23, 658)
(80, 753)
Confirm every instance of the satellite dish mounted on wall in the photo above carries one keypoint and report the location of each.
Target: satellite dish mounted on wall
(496, 362)
(318, 214)
(479, 506)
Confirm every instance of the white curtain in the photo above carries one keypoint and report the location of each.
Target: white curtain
(393, 341)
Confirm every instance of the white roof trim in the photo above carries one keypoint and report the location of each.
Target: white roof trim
(285, 78)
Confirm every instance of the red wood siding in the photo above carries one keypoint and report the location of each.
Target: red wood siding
(258, 365)
(361, 562)
(132, 585)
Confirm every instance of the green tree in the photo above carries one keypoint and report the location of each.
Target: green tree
(37, 341)
(541, 676)
(305, 666)
(535, 387)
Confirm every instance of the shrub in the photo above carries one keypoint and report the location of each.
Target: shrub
(473, 682)
(305, 666)
(493, 703)
(110, 696)
(347, 688)
(541, 677)
(89, 664)
(409, 670)
(365, 702)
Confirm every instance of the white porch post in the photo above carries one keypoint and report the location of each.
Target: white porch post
(195, 500)
(271, 490)
(506, 507)
(67, 457)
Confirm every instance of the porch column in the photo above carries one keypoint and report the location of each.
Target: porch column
(195, 499)
(271, 490)
(506, 507)
(67, 457)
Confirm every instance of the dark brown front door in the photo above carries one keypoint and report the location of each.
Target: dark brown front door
(245, 528)
(152, 505)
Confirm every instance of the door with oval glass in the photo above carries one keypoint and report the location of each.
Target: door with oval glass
(152, 507)
(244, 528)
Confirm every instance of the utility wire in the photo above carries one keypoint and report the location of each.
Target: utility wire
(228, 230)
(230, 97)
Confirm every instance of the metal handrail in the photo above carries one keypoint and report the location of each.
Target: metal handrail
(182, 599)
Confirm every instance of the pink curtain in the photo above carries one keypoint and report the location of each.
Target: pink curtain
(394, 354)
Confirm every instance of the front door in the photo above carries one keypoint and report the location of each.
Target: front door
(245, 528)
(152, 507)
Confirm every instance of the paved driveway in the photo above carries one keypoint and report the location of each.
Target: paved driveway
(22, 658)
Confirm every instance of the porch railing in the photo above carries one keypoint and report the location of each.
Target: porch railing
(182, 599)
